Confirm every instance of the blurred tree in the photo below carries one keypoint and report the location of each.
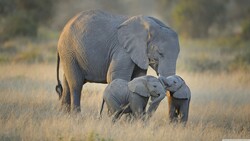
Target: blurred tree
(18, 24)
(244, 18)
(115, 6)
(165, 8)
(246, 30)
(6, 7)
(22, 17)
(39, 10)
(194, 17)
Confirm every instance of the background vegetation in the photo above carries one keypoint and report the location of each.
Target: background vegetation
(214, 60)
(29, 29)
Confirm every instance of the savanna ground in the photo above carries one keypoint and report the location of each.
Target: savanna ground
(29, 105)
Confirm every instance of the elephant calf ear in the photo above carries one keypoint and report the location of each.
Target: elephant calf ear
(138, 85)
(183, 92)
(133, 36)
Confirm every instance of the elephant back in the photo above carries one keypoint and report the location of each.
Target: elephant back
(88, 25)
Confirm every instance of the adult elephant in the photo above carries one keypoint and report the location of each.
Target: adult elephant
(96, 46)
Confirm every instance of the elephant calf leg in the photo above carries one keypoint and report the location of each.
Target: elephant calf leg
(173, 114)
(184, 109)
(114, 108)
(173, 110)
(119, 113)
(138, 105)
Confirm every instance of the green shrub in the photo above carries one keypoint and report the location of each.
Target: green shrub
(19, 24)
(193, 18)
(246, 30)
(23, 17)
(40, 10)
(240, 62)
(203, 65)
(92, 136)
(31, 56)
(7, 7)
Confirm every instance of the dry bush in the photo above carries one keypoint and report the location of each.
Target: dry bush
(215, 56)
(29, 110)
(26, 50)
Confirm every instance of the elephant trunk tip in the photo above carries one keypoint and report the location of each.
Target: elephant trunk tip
(158, 99)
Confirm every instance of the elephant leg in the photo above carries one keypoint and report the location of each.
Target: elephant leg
(117, 115)
(75, 98)
(138, 72)
(127, 109)
(75, 81)
(138, 105)
(117, 111)
(114, 107)
(184, 109)
(66, 95)
(173, 110)
(124, 109)
(173, 114)
(121, 66)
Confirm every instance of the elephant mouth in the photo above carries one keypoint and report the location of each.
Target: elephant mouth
(155, 94)
(168, 85)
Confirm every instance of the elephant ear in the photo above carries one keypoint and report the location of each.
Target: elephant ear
(139, 86)
(183, 93)
(133, 35)
(158, 22)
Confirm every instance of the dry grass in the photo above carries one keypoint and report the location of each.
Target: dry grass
(29, 109)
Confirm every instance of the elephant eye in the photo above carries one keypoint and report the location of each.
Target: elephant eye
(161, 54)
(154, 86)
(175, 82)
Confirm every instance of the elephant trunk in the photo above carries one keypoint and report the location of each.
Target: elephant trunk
(159, 99)
(154, 105)
(167, 67)
(163, 81)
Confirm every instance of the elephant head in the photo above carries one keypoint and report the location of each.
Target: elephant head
(147, 86)
(150, 43)
(176, 85)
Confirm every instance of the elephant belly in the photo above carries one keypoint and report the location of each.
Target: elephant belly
(94, 68)
(117, 91)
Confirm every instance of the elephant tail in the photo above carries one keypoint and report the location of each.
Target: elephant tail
(103, 101)
(59, 88)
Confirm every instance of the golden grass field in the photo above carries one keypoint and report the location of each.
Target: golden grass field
(29, 109)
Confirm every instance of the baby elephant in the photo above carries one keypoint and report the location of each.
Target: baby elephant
(132, 97)
(178, 97)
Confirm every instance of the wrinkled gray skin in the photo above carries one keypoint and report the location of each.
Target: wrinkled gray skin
(96, 46)
(178, 98)
(122, 96)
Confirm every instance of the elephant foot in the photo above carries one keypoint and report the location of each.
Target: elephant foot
(76, 109)
(65, 108)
